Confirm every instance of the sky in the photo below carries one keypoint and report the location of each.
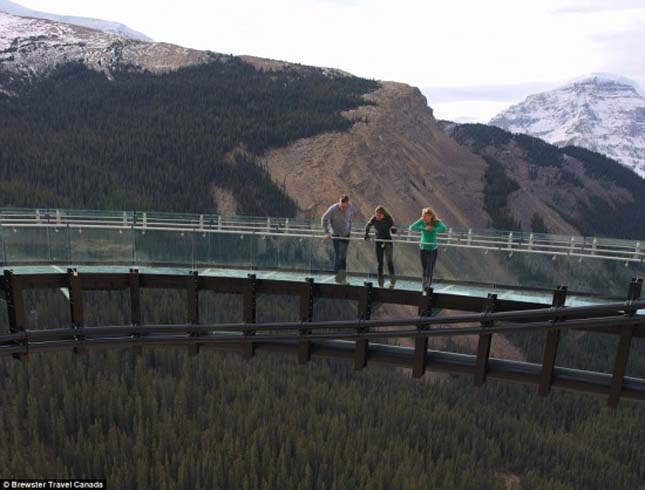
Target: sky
(471, 58)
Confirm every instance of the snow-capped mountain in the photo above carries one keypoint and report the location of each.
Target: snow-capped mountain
(33, 47)
(101, 25)
(600, 112)
(30, 48)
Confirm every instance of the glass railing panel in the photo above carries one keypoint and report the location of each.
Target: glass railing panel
(107, 246)
(280, 253)
(36, 245)
(202, 248)
(361, 259)
(524, 270)
(322, 255)
(222, 249)
(163, 248)
(470, 265)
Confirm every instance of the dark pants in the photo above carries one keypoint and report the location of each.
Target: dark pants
(428, 261)
(387, 249)
(340, 253)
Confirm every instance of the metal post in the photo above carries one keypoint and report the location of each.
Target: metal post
(421, 343)
(192, 306)
(531, 238)
(15, 306)
(306, 315)
(76, 304)
(364, 313)
(594, 246)
(624, 345)
(551, 348)
(485, 341)
(134, 281)
(470, 237)
(249, 314)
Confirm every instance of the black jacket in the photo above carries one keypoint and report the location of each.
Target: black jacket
(383, 228)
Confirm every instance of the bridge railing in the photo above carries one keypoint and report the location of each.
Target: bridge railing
(358, 340)
(519, 241)
(488, 257)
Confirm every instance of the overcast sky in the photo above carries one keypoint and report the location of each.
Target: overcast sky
(471, 58)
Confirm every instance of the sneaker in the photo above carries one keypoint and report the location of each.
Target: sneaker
(392, 283)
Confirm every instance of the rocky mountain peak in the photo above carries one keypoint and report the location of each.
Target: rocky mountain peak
(601, 112)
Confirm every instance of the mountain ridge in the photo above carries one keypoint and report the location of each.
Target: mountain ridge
(602, 112)
(98, 24)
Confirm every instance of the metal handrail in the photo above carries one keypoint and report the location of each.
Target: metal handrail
(552, 245)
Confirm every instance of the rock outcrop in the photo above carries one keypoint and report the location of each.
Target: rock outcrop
(395, 155)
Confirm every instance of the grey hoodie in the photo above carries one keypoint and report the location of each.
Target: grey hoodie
(341, 222)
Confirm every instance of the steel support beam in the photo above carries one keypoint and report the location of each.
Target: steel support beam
(306, 316)
(421, 343)
(192, 306)
(624, 346)
(134, 284)
(249, 313)
(551, 347)
(364, 313)
(15, 306)
(485, 341)
(75, 289)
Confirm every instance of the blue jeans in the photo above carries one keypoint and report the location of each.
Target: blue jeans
(340, 253)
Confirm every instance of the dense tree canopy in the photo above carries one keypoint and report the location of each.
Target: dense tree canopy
(140, 141)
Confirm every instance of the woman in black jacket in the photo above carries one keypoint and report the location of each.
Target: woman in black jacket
(383, 225)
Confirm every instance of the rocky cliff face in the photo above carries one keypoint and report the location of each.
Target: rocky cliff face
(395, 155)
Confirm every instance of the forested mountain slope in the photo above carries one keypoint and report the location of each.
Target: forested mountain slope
(161, 142)
(533, 185)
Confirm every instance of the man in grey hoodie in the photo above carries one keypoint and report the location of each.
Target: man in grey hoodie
(339, 216)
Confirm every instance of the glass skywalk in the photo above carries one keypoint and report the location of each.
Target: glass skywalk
(514, 265)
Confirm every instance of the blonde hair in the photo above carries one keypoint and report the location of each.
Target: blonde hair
(381, 209)
(434, 219)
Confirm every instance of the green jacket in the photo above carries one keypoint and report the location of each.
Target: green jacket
(428, 238)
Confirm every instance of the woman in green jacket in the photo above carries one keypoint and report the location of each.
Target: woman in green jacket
(429, 225)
